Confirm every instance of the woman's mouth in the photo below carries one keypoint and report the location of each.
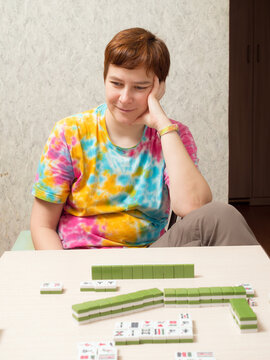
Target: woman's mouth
(124, 110)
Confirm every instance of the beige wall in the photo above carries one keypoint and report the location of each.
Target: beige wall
(51, 62)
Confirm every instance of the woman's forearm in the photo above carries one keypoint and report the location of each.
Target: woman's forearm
(188, 188)
(44, 220)
(45, 239)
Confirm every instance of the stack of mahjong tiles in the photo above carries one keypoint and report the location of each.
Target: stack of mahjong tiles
(150, 271)
(97, 351)
(117, 305)
(188, 355)
(243, 315)
(98, 285)
(202, 296)
(154, 332)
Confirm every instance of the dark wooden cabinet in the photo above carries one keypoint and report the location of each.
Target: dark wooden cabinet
(249, 101)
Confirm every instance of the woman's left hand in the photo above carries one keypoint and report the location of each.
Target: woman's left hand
(154, 117)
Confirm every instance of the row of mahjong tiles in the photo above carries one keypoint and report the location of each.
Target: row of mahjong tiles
(140, 271)
(154, 332)
(204, 296)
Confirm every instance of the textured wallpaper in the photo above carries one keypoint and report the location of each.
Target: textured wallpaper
(51, 64)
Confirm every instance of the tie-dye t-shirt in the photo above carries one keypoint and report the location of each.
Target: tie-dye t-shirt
(113, 197)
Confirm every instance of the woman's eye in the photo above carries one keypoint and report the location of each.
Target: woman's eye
(115, 83)
(140, 88)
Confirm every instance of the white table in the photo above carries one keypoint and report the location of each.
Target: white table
(35, 326)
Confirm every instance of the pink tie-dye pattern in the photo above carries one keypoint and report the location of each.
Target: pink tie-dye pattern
(71, 230)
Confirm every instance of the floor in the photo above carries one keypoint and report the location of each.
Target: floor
(258, 218)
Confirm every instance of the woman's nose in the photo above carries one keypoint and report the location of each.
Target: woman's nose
(125, 96)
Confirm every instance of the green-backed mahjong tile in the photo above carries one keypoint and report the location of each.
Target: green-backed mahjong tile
(204, 291)
(178, 271)
(168, 295)
(116, 300)
(205, 295)
(193, 292)
(227, 291)
(139, 295)
(158, 302)
(156, 292)
(117, 272)
(131, 298)
(120, 342)
(181, 292)
(133, 342)
(160, 341)
(158, 271)
(169, 302)
(137, 271)
(136, 307)
(105, 313)
(148, 295)
(243, 310)
(186, 340)
(85, 307)
(106, 272)
(51, 292)
(181, 296)
(118, 311)
(216, 291)
(83, 318)
(239, 290)
(168, 271)
(89, 317)
(242, 327)
(169, 292)
(144, 341)
(127, 271)
(188, 270)
(104, 303)
(147, 271)
(172, 341)
(87, 289)
(93, 316)
(96, 272)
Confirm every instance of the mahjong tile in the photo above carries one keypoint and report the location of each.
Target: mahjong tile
(145, 324)
(87, 284)
(122, 325)
(172, 323)
(185, 316)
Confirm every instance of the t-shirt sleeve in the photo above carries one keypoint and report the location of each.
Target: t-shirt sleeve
(55, 172)
(189, 144)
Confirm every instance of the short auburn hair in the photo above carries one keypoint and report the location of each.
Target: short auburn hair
(136, 47)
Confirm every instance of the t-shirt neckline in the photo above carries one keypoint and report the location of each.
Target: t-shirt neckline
(109, 141)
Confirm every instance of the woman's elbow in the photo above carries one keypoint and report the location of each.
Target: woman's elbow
(182, 208)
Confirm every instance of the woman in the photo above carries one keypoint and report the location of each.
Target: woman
(108, 176)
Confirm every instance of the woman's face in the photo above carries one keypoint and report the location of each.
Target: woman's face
(127, 93)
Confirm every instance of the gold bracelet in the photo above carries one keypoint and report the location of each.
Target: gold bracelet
(167, 129)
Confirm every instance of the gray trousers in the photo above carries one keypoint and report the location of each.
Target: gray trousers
(214, 224)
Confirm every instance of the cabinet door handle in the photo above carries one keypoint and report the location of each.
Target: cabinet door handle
(258, 53)
(248, 53)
